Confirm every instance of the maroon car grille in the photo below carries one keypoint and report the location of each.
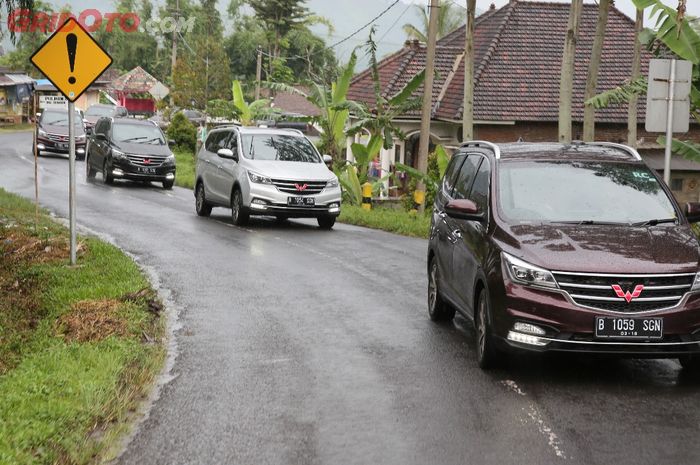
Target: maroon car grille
(655, 292)
(57, 137)
(299, 187)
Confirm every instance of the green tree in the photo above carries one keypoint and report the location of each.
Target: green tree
(26, 45)
(278, 18)
(450, 18)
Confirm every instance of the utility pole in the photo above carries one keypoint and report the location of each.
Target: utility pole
(468, 111)
(593, 67)
(632, 116)
(258, 74)
(427, 98)
(173, 60)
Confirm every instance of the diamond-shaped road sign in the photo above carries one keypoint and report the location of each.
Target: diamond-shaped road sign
(71, 59)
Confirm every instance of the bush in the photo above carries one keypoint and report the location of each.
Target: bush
(183, 132)
(430, 189)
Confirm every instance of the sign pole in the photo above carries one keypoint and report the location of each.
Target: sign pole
(71, 177)
(669, 123)
(35, 110)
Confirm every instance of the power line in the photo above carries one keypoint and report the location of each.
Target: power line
(395, 22)
(366, 25)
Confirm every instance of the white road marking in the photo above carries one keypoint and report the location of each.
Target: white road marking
(535, 417)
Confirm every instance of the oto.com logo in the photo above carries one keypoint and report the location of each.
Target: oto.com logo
(24, 20)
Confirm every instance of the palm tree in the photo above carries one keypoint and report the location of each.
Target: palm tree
(449, 19)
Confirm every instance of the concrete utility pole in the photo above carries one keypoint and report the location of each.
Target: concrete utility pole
(428, 96)
(173, 59)
(566, 89)
(258, 74)
(632, 117)
(468, 112)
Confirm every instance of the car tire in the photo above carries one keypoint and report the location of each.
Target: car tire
(89, 170)
(107, 176)
(167, 185)
(438, 309)
(200, 201)
(487, 354)
(239, 213)
(690, 362)
(326, 222)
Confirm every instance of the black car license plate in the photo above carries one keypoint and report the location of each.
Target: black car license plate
(61, 146)
(146, 170)
(629, 328)
(301, 201)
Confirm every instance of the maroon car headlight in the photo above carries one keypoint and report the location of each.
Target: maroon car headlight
(525, 273)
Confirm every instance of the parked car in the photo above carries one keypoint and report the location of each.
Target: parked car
(97, 111)
(52, 133)
(260, 171)
(565, 248)
(137, 150)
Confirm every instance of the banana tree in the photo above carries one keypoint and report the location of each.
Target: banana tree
(674, 32)
(328, 99)
(248, 113)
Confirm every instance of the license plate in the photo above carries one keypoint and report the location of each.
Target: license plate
(301, 201)
(143, 169)
(62, 146)
(629, 328)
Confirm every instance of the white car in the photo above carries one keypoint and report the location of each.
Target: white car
(260, 171)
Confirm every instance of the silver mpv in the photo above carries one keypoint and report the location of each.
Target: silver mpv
(260, 171)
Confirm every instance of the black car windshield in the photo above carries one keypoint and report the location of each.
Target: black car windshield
(279, 147)
(99, 111)
(137, 133)
(59, 118)
(581, 192)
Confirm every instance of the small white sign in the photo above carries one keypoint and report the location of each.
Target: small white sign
(53, 101)
(657, 96)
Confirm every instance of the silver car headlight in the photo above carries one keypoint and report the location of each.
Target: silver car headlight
(524, 273)
(42, 132)
(333, 183)
(258, 178)
(696, 283)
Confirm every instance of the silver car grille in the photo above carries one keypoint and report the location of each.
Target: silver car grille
(299, 187)
(625, 293)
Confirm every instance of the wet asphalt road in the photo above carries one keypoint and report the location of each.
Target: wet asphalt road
(301, 346)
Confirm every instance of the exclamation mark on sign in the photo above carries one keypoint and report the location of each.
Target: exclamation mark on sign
(72, 44)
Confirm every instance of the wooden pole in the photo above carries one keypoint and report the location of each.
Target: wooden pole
(632, 117)
(468, 112)
(593, 67)
(428, 94)
(566, 88)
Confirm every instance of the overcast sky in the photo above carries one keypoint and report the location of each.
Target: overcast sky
(625, 6)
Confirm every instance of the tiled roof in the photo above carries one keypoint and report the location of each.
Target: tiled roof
(518, 52)
(290, 102)
(136, 81)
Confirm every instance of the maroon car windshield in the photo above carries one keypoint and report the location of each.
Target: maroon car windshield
(581, 192)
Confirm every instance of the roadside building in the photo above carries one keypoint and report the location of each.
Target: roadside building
(138, 91)
(15, 96)
(518, 51)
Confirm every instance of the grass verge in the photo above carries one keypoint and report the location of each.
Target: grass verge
(79, 346)
(17, 127)
(386, 219)
(184, 160)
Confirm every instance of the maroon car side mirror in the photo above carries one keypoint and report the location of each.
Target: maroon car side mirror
(463, 209)
(692, 212)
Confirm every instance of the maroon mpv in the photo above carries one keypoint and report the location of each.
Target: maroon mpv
(570, 248)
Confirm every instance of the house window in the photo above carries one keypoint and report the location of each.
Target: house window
(677, 184)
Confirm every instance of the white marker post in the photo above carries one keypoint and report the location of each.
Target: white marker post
(669, 123)
(71, 180)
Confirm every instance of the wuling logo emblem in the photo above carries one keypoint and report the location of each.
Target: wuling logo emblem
(146, 161)
(628, 296)
(301, 187)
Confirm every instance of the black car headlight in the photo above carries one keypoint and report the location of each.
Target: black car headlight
(523, 272)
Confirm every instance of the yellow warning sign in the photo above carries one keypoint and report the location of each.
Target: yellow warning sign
(71, 59)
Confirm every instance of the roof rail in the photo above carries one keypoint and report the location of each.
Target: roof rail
(624, 148)
(484, 144)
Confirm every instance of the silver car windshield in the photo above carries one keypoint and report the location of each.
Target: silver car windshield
(279, 147)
